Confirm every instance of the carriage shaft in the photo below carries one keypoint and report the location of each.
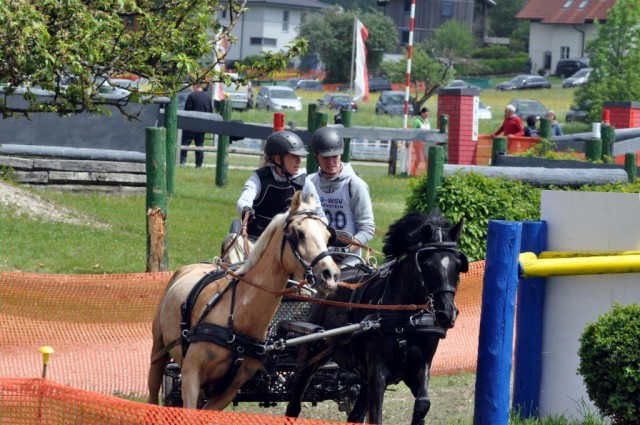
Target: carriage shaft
(365, 325)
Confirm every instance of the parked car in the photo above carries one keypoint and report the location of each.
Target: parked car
(310, 85)
(578, 113)
(277, 98)
(379, 84)
(460, 84)
(392, 103)
(522, 82)
(526, 107)
(567, 67)
(484, 111)
(291, 82)
(338, 101)
(578, 79)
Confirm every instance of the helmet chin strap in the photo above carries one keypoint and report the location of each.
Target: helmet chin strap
(284, 171)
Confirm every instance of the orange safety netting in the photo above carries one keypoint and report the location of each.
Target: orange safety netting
(100, 328)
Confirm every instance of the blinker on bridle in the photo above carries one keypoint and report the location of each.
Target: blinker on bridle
(434, 247)
(294, 242)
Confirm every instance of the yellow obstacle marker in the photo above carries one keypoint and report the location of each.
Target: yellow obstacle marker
(46, 354)
(602, 264)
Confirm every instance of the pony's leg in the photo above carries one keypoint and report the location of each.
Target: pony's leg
(377, 385)
(156, 369)
(422, 403)
(359, 412)
(190, 384)
(301, 380)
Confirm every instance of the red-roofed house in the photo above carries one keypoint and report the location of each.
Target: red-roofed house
(560, 28)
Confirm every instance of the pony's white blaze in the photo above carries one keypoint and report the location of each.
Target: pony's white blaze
(445, 262)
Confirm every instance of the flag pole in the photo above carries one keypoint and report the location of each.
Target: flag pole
(406, 157)
(353, 55)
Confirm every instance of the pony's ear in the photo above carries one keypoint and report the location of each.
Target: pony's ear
(426, 233)
(456, 231)
(296, 201)
(311, 200)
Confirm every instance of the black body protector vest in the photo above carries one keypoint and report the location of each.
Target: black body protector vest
(274, 198)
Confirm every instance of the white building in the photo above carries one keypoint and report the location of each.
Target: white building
(268, 25)
(560, 28)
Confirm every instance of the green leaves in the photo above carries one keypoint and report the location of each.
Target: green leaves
(610, 363)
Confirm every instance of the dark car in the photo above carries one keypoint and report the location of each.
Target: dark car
(392, 103)
(579, 78)
(567, 67)
(338, 101)
(460, 84)
(379, 84)
(523, 82)
(526, 107)
(578, 113)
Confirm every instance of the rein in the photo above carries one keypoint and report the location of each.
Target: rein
(243, 233)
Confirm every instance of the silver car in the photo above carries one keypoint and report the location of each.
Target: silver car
(392, 103)
(278, 98)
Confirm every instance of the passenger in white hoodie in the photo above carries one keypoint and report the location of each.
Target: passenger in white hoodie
(344, 196)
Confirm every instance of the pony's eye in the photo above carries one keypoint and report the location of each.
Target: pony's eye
(300, 235)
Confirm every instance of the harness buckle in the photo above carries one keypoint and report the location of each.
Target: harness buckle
(232, 338)
(185, 333)
(279, 345)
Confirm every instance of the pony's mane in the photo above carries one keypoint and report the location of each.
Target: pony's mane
(406, 233)
(261, 244)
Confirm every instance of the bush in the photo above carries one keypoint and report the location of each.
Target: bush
(478, 199)
(506, 66)
(610, 363)
(495, 51)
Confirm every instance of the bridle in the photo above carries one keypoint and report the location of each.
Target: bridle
(294, 242)
(435, 247)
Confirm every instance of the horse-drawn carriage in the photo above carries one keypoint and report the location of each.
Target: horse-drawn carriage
(382, 327)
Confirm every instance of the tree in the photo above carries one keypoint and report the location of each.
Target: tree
(615, 59)
(44, 41)
(432, 65)
(330, 34)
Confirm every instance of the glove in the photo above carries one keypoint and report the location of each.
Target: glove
(339, 244)
(249, 211)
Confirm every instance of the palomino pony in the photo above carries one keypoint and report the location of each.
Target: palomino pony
(412, 299)
(216, 333)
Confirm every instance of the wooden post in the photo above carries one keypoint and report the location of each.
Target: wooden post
(593, 149)
(157, 256)
(222, 159)
(444, 129)
(346, 115)
(321, 120)
(499, 147)
(631, 166)
(434, 175)
(312, 126)
(545, 128)
(171, 124)
(608, 135)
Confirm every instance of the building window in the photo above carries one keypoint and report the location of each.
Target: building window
(583, 4)
(285, 21)
(130, 22)
(567, 4)
(565, 52)
(260, 41)
(404, 37)
(303, 17)
(446, 9)
(407, 6)
(224, 13)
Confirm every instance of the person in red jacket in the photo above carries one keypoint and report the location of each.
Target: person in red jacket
(512, 124)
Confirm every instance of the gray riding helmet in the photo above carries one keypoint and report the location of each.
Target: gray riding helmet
(284, 142)
(327, 141)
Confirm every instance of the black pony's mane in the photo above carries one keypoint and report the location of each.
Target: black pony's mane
(406, 233)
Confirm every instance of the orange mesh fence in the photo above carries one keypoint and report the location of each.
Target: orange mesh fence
(100, 328)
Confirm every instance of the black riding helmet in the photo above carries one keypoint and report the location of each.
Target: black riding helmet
(327, 141)
(284, 142)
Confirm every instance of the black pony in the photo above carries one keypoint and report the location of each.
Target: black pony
(423, 270)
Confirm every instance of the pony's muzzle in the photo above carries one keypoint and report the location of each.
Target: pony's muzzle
(447, 315)
(327, 275)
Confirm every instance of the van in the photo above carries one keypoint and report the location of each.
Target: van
(379, 84)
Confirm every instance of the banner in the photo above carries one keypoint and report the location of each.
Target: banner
(361, 82)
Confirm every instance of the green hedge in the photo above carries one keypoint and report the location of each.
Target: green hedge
(513, 65)
(610, 363)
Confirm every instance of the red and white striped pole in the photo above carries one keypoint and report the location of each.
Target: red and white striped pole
(406, 157)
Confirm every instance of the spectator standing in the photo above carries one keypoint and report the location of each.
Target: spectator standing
(345, 196)
(531, 130)
(201, 102)
(512, 124)
(556, 130)
(417, 148)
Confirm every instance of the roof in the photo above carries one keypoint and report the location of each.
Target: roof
(303, 4)
(566, 11)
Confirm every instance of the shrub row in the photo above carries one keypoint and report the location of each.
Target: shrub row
(479, 67)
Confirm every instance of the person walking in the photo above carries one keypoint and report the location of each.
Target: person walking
(512, 124)
(345, 196)
(417, 148)
(201, 102)
(269, 190)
